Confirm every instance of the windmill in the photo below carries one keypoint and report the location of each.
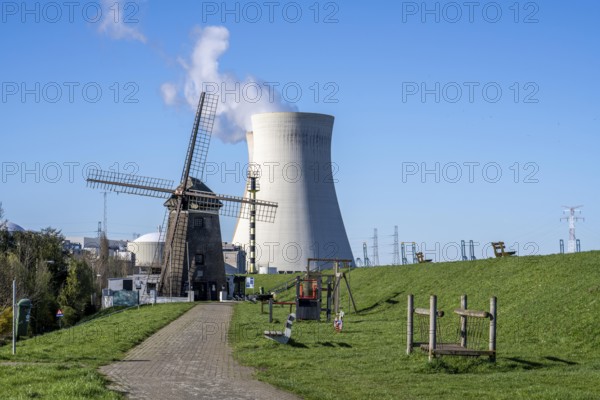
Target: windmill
(193, 254)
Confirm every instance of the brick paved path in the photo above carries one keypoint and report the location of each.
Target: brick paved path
(189, 359)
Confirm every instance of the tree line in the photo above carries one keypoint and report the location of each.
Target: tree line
(52, 277)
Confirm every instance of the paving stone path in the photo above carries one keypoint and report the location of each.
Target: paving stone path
(189, 359)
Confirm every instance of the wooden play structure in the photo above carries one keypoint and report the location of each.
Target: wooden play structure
(272, 303)
(282, 337)
(499, 250)
(311, 287)
(466, 340)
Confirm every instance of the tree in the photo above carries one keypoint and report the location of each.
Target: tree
(37, 262)
(3, 226)
(74, 297)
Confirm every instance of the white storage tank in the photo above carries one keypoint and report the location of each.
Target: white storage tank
(147, 249)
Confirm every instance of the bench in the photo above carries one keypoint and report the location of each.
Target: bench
(282, 337)
(421, 258)
(499, 250)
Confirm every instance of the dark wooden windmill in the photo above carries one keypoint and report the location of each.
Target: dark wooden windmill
(193, 248)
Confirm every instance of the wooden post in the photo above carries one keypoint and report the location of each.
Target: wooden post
(270, 310)
(14, 319)
(329, 293)
(409, 324)
(336, 294)
(493, 328)
(463, 322)
(350, 293)
(432, 325)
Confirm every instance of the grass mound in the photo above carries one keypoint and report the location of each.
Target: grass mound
(548, 333)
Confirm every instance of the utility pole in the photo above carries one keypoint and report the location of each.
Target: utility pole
(571, 244)
(396, 253)
(375, 248)
(105, 230)
(14, 310)
(252, 189)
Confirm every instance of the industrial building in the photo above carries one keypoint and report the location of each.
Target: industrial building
(116, 248)
(293, 152)
(235, 259)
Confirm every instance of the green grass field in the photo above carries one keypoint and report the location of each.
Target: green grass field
(548, 334)
(63, 364)
(548, 338)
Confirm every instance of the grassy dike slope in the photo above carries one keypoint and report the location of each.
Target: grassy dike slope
(548, 334)
(63, 364)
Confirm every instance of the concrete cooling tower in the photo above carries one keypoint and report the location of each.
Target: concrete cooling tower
(293, 152)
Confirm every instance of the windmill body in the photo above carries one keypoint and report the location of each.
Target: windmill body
(193, 253)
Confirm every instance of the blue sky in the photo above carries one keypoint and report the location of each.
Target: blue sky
(480, 92)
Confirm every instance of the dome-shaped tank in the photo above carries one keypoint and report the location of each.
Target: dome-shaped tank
(11, 226)
(147, 249)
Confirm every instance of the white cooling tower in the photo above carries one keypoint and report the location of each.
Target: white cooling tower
(293, 151)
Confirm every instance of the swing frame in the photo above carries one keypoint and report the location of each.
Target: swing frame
(433, 348)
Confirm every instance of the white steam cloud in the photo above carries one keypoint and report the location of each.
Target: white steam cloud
(119, 21)
(202, 74)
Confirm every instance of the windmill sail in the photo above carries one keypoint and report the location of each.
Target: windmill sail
(131, 184)
(231, 206)
(200, 137)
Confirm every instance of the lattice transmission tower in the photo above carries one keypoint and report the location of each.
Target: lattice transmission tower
(571, 244)
(375, 248)
(396, 253)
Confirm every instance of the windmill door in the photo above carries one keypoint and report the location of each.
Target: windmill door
(202, 291)
(212, 287)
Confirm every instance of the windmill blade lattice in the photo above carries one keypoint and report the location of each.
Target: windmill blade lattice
(131, 184)
(200, 137)
(231, 206)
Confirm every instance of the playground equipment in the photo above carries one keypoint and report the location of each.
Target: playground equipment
(282, 337)
(499, 250)
(308, 298)
(309, 290)
(468, 338)
(338, 322)
(272, 302)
